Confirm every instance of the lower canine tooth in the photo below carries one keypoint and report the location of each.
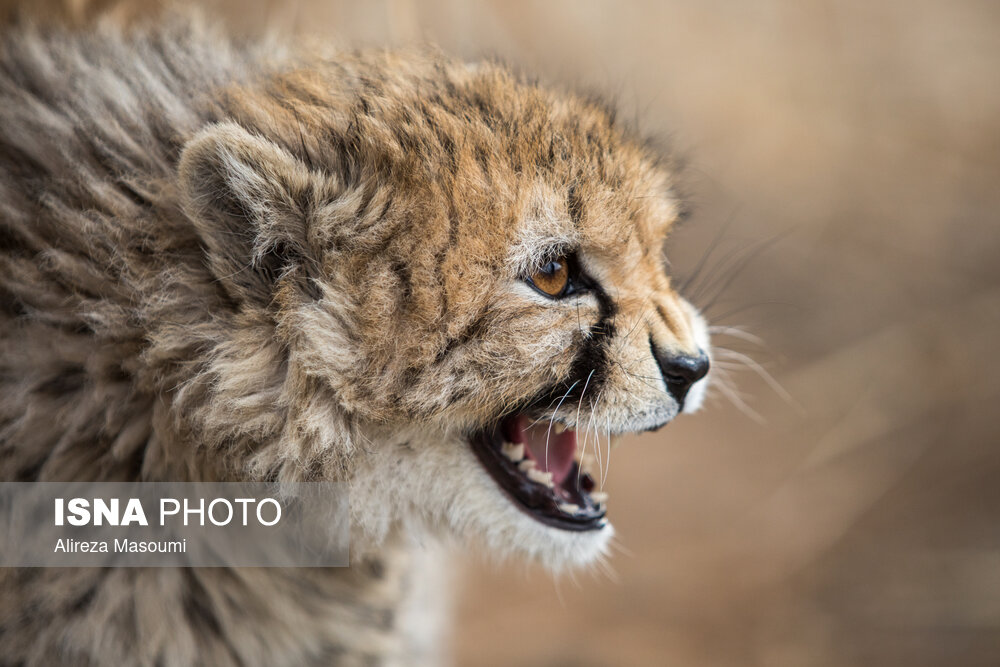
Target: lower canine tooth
(540, 477)
(599, 497)
(569, 508)
(513, 452)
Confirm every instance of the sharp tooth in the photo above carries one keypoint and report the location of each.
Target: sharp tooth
(569, 508)
(513, 452)
(526, 465)
(540, 477)
(599, 497)
(559, 427)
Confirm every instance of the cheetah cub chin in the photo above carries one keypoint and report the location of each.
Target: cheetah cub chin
(441, 283)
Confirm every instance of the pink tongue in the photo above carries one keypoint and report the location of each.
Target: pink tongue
(553, 452)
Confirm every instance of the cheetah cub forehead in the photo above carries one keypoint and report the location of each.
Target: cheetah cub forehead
(468, 269)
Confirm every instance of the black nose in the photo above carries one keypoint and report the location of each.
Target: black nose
(681, 371)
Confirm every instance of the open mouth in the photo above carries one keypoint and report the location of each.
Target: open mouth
(541, 467)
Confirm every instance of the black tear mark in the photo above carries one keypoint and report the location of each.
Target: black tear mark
(590, 366)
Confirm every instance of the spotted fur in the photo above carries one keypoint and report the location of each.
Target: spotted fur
(245, 263)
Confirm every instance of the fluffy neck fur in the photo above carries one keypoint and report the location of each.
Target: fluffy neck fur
(123, 357)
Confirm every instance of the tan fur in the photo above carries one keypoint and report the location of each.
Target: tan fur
(225, 263)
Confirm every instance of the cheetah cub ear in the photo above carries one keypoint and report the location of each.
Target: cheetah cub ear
(250, 200)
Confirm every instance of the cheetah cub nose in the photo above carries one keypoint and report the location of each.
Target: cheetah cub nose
(681, 371)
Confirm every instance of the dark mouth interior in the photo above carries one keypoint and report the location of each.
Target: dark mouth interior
(537, 465)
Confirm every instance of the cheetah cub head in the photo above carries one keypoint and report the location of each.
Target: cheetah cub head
(458, 279)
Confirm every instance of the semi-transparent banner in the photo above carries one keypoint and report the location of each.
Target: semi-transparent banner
(168, 524)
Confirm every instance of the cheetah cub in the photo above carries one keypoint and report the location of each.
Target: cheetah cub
(438, 282)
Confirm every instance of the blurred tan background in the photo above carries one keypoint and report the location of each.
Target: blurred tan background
(844, 162)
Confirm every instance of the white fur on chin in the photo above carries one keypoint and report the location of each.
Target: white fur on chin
(447, 491)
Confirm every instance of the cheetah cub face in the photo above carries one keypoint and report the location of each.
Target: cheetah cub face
(468, 270)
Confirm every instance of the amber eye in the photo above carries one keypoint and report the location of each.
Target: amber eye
(552, 278)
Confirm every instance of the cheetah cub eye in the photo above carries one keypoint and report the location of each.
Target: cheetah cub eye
(557, 278)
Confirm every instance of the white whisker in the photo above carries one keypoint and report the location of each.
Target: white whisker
(735, 332)
(553, 418)
(761, 372)
(604, 479)
(580, 402)
(740, 404)
(597, 440)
